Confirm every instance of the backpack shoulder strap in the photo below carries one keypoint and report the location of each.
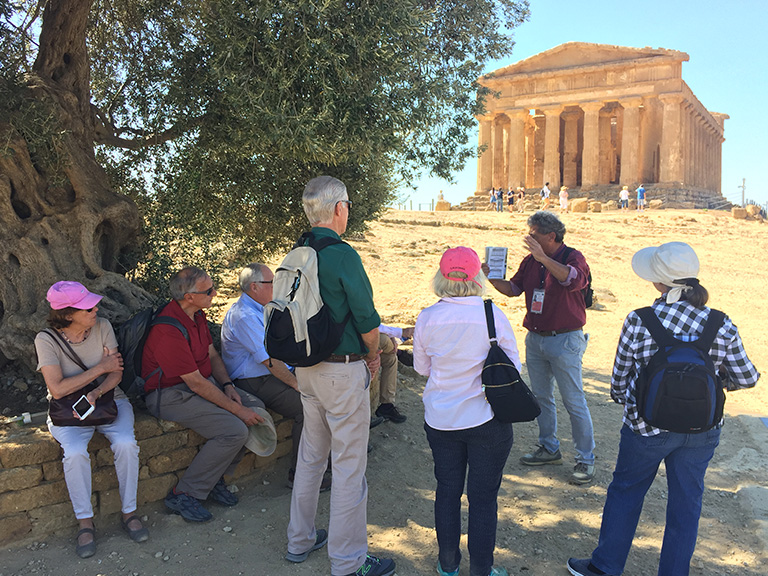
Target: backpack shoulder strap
(308, 239)
(714, 322)
(660, 335)
(66, 348)
(489, 321)
(565, 254)
(168, 321)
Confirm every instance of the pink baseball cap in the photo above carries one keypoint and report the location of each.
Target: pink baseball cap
(71, 294)
(460, 259)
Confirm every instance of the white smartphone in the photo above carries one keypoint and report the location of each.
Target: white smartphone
(82, 407)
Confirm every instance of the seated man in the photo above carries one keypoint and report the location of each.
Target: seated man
(247, 361)
(188, 383)
(388, 374)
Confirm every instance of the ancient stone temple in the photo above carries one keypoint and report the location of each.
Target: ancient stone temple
(592, 116)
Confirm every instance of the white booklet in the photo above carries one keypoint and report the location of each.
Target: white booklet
(496, 258)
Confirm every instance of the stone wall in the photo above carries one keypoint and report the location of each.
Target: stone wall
(34, 501)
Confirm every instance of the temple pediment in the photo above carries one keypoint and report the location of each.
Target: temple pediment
(579, 55)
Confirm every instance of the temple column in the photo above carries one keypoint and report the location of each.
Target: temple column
(552, 146)
(671, 164)
(630, 142)
(516, 148)
(485, 160)
(497, 140)
(571, 152)
(719, 183)
(606, 150)
(590, 156)
(699, 163)
(687, 142)
(530, 153)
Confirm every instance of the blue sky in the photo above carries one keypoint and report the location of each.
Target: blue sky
(727, 45)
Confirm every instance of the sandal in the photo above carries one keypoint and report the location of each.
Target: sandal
(86, 550)
(137, 535)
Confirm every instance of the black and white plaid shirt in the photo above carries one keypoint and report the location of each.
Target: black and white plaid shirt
(686, 322)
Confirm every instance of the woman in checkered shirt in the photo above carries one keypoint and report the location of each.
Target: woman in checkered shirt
(681, 308)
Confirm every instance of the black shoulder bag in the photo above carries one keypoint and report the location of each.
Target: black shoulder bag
(510, 399)
(60, 409)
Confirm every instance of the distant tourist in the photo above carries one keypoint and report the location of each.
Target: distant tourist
(563, 199)
(500, 200)
(521, 199)
(624, 198)
(510, 198)
(545, 193)
(640, 198)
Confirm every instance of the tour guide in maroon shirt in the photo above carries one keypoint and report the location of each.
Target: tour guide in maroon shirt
(552, 277)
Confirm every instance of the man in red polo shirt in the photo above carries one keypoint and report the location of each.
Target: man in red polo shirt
(552, 278)
(192, 387)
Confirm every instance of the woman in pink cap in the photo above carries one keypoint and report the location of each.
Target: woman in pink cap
(450, 344)
(78, 336)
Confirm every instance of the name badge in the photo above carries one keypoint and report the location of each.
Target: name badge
(537, 302)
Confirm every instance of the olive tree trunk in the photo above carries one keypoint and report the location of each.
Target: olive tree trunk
(67, 223)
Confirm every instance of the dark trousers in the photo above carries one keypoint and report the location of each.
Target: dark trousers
(281, 398)
(484, 451)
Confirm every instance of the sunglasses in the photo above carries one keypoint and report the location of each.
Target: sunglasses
(208, 292)
(264, 281)
(348, 203)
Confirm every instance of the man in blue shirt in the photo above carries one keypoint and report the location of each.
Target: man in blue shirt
(247, 361)
(640, 198)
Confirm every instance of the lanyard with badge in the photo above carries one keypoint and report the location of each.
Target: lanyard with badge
(537, 301)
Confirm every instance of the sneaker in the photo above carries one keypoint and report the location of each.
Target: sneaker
(583, 473)
(444, 573)
(542, 456)
(583, 567)
(221, 494)
(390, 412)
(186, 506)
(498, 571)
(405, 357)
(320, 540)
(325, 485)
(375, 567)
(376, 420)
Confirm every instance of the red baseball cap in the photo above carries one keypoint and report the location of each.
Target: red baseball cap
(460, 259)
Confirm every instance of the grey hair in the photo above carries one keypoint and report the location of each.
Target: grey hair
(184, 281)
(252, 272)
(320, 197)
(444, 287)
(546, 222)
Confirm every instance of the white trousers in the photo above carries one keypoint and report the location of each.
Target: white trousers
(337, 416)
(77, 462)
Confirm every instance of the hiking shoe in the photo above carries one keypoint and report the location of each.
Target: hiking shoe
(375, 567)
(498, 571)
(444, 573)
(583, 473)
(389, 411)
(542, 456)
(376, 420)
(583, 567)
(325, 485)
(186, 506)
(405, 357)
(221, 494)
(320, 540)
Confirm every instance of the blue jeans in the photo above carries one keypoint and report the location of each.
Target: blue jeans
(484, 449)
(558, 358)
(686, 457)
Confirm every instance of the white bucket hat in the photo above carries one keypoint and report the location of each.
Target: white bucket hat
(670, 264)
(262, 437)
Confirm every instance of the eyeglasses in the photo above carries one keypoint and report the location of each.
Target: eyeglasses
(263, 281)
(348, 203)
(208, 292)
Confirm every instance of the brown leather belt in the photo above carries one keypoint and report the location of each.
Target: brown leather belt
(554, 332)
(344, 358)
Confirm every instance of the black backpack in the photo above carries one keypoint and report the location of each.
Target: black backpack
(587, 292)
(130, 343)
(679, 389)
(299, 328)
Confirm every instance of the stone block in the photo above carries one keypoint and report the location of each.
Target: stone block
(20, 478)
(29, 449)
(30, 498)
(595, 206)
(53, 471)
(739, 213)
(104, 457)
(442, 206)
(752, 210)
(172, 461)
(168, 426)
(154, 489)
(104, 479)
(161, 444)
(656, 204)
(14, 527)
(48, 519)
(246, 465)
(143, 472)
(146, 426)
(194, 439)
(579, 205)
(109, 502)
(609, 206)
(284, 429)
(98, 442)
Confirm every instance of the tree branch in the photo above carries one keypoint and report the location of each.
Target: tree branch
(108, 133)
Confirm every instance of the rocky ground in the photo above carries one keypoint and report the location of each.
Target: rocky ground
(542, 519)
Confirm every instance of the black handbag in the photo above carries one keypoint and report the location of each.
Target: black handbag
(510, 399)
(60, 409)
